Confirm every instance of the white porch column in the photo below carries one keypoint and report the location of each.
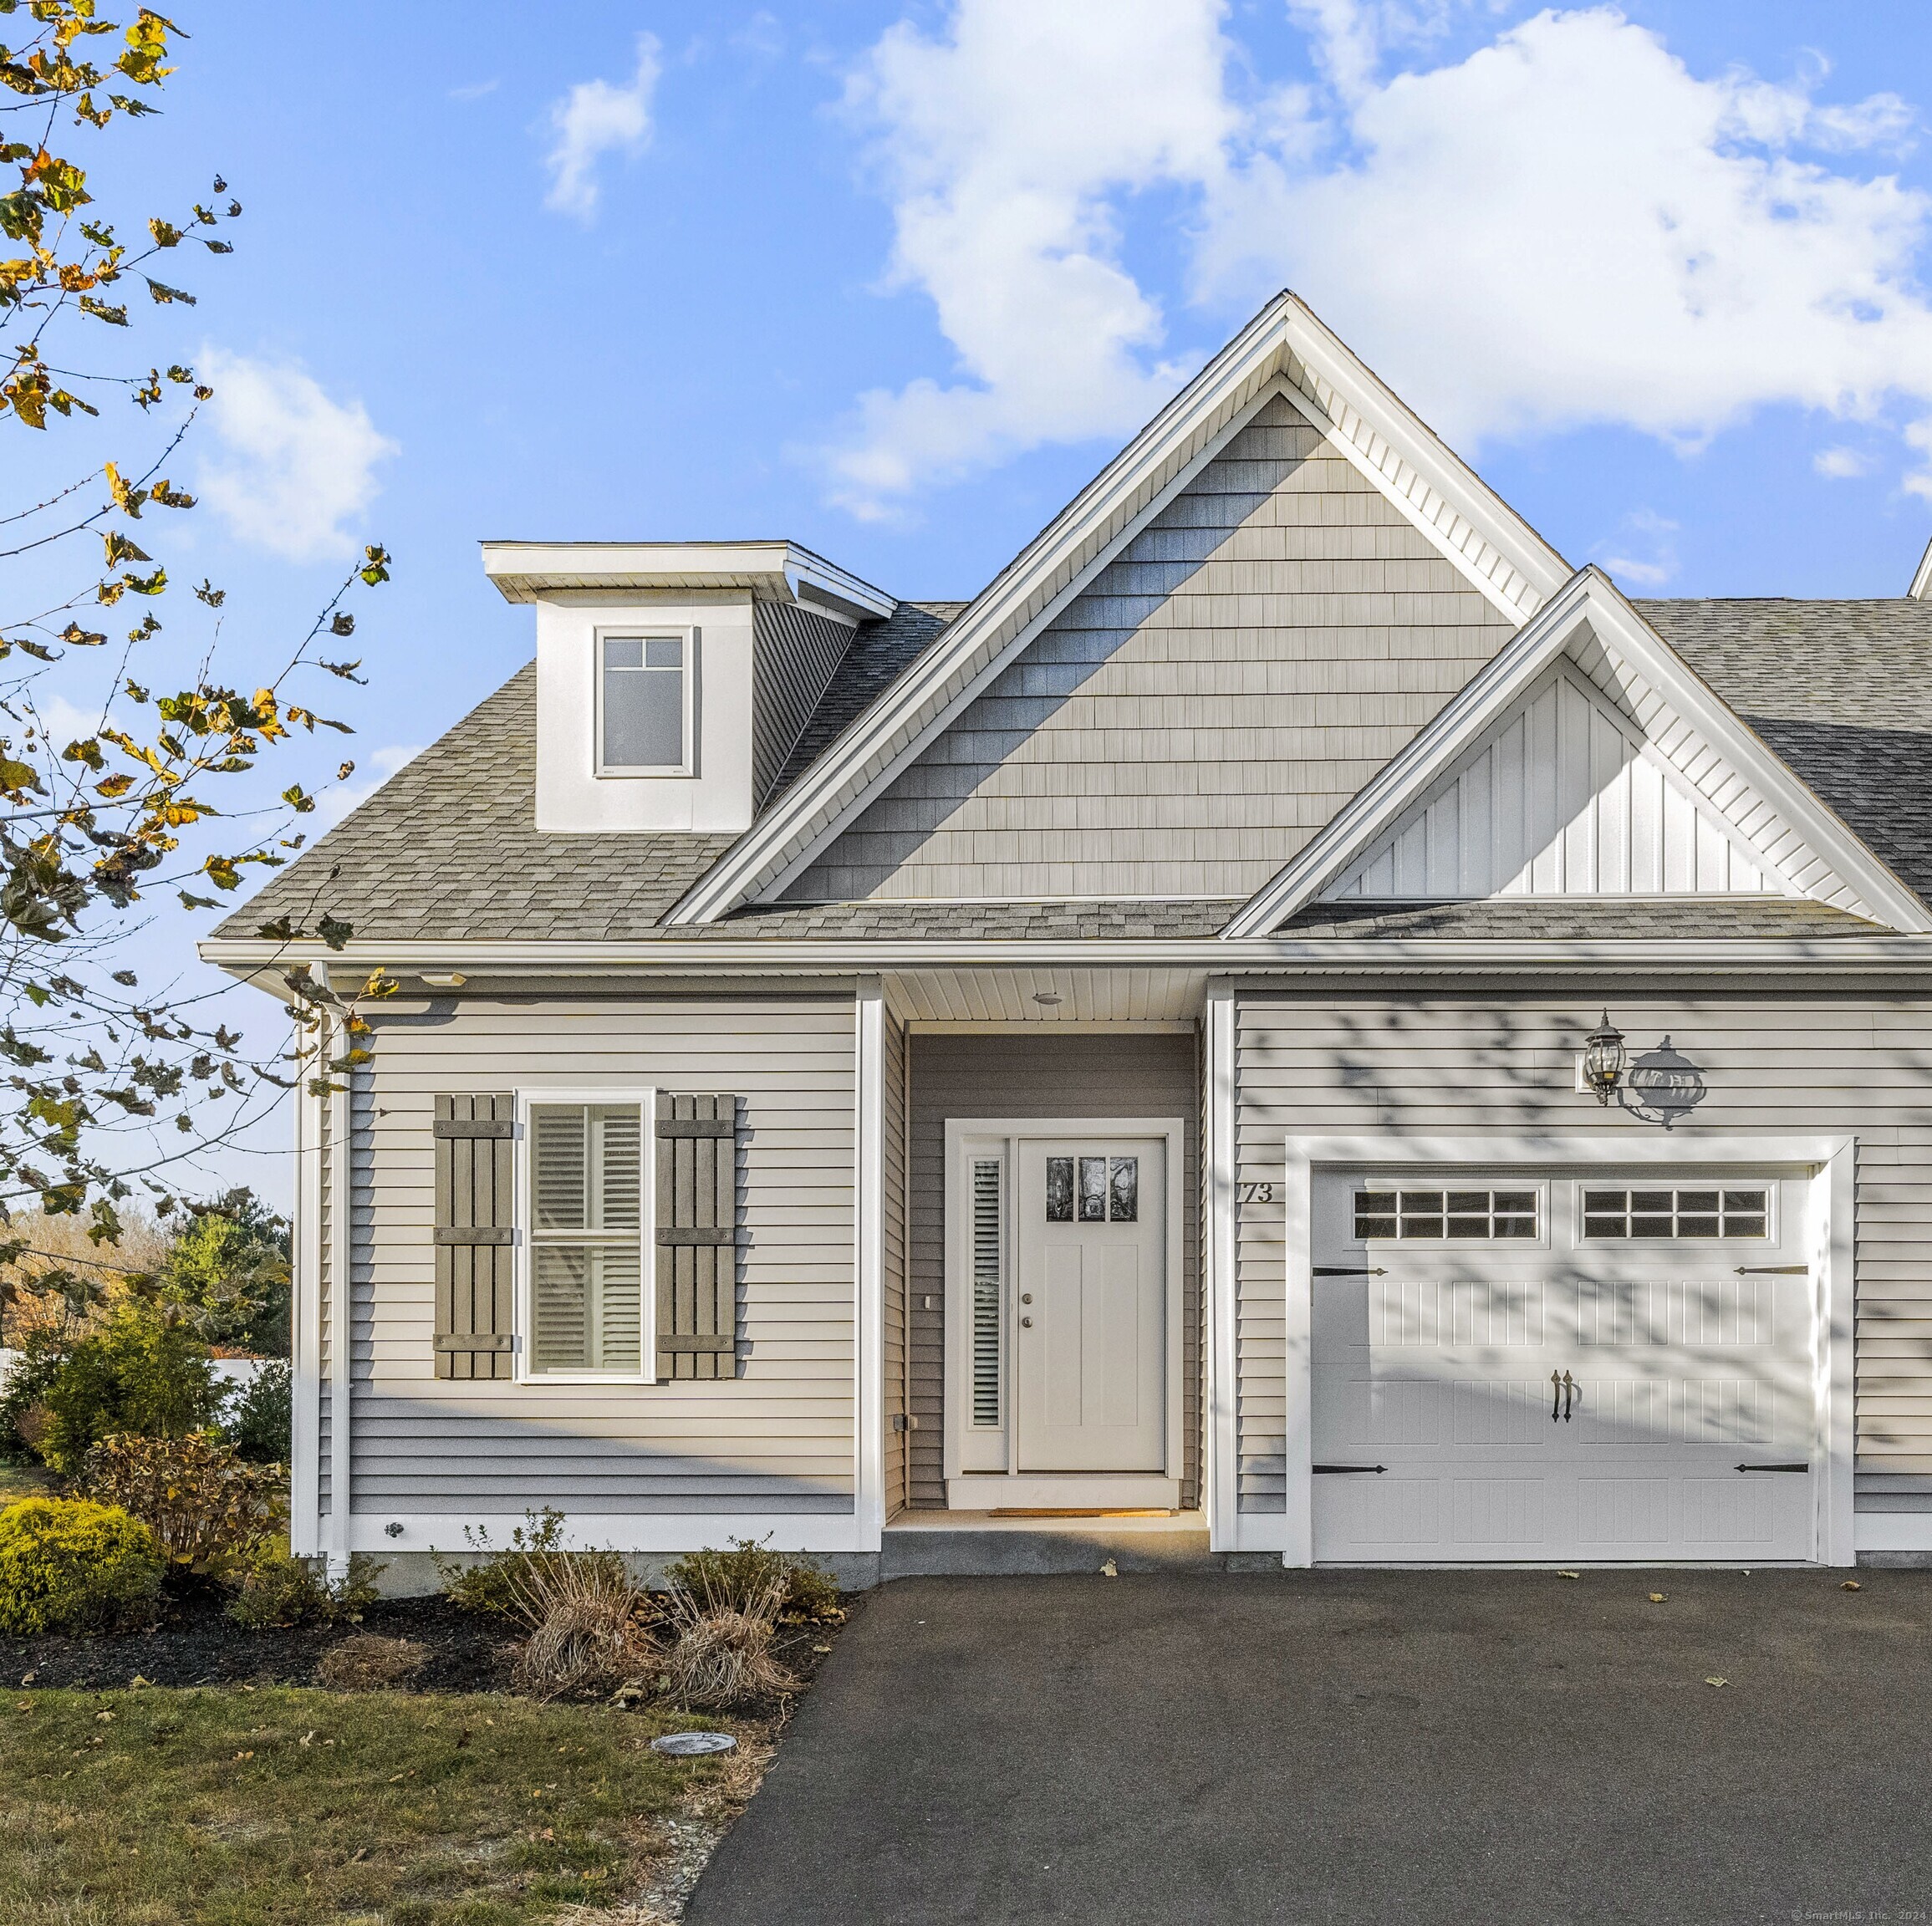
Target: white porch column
(1221, 1442)
(869, 1268)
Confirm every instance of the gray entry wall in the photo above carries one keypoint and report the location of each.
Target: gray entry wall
(1034, 1073)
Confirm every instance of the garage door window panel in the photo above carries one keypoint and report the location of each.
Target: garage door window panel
(1446, 1216)
(1696, 1212)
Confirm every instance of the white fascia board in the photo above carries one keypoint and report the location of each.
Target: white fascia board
(526, 571)
(1384, 439)
(1921, 588)
(1590, 596)
(1261, 955)
(1381, 434)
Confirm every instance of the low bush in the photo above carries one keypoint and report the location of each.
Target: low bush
(277, 1591)
(744, 1577)
(260, 1416)
(517, 1580)
(211, 1512)
(138, 1373)
(69, 1565)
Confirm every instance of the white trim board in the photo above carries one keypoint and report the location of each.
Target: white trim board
(1591, 621)
(648, 1531)
(1831, 1161)
(1285, 344)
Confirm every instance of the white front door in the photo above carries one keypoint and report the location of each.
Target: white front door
(1562, 1365)
(1089, 1339)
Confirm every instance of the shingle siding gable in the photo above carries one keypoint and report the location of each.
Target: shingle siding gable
(1255, 654)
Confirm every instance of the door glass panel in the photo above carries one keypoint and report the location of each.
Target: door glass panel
(1060, 1189)
(1093, 1189)
(1124, 1190)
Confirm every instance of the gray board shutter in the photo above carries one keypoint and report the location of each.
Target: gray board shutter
(476, 1209)
(697, 1270)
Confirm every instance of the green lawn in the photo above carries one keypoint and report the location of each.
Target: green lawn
(26, 1481)
(149, 1807)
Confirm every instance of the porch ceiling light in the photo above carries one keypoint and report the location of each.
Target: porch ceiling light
(1046, 998)
(1604, 1059)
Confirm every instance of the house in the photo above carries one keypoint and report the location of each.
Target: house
(1296, 1026)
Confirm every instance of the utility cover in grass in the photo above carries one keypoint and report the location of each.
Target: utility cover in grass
(693, 1745)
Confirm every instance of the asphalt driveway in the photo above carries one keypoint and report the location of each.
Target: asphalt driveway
(1509, 1746)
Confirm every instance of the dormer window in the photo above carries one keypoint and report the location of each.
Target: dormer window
(643, 696)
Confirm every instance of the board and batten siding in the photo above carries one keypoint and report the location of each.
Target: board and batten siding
(1012, 1074)
(1420, 1065)
(793, 655)
(777, 1438)
(1253, 656)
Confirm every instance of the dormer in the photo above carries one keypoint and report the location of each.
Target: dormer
(674, 677)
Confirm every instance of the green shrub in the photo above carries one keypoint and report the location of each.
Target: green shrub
(523, 1580)
(278, 1591)
(25, 1417)
(67, 1565)
(261, 1415)
(140, 1373)
(210, 1511)
(738, 1580)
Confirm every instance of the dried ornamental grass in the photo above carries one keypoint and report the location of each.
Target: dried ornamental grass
(366, 1663)
(721, 1655)
(584, 1611)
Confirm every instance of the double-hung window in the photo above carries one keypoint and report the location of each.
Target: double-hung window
(587, 1223)
(645, 703)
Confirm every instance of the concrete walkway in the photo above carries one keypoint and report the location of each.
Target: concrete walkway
(1324, 1747)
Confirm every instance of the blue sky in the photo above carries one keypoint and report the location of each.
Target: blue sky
(894, 280)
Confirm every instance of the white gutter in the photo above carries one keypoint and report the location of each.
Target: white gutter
(772, 956)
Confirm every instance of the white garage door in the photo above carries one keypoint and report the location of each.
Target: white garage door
(1547, 1365)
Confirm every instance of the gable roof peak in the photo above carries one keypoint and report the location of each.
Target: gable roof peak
(1713, 750)
(1285, 345)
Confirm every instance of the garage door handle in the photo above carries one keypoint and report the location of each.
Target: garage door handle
(1774, 1467)
(1321, 1469)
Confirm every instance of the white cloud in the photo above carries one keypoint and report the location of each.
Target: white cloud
(1841, 464)
(293, 466)
(335, 803)
(1566, 228)
(1570, 227)
(475, 91)
(1647, 554)
(595, 118)
(1002, 147)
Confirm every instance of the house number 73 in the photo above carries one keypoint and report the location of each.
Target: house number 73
(1256, 1192)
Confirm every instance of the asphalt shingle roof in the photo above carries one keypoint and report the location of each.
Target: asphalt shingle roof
(448, 847)
(1842, 690)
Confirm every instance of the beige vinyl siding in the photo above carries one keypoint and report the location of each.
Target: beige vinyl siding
(1036, 1074)
(793, 653)
(1273, 637)
(778, 1437)
(1505, 1064)
(893, 1322)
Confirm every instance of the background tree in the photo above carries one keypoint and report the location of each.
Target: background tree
(104, 1091)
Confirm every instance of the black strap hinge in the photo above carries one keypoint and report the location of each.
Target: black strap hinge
(1334, 1470)
(474, 1234)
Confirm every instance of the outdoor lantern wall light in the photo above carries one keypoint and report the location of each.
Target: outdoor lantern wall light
(1601, 1065)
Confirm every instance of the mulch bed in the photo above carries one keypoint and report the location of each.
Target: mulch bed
(193, 1642)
